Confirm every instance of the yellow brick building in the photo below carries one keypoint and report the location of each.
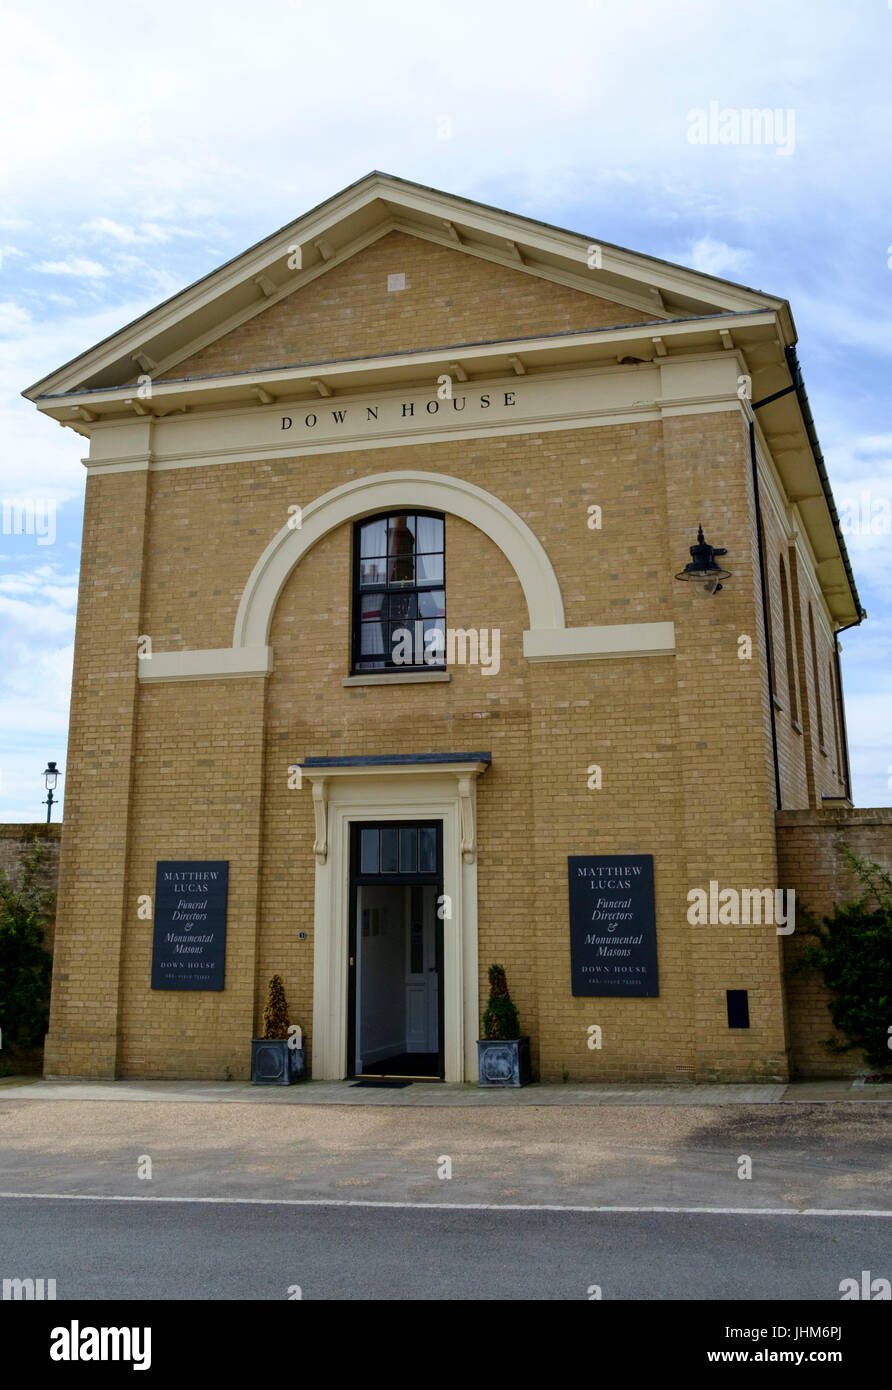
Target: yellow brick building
(407, 413)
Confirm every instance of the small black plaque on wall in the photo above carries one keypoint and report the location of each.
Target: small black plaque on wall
(613, 932)
(189, 943)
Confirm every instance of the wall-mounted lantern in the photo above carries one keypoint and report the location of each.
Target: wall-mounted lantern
(702, 568)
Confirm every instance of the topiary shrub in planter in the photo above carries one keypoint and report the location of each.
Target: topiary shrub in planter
(852, 949)
(503, 1055)
(277, 1058)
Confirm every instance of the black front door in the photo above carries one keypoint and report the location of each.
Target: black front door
(395, 1005)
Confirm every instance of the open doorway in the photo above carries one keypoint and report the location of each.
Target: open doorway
(396, 951)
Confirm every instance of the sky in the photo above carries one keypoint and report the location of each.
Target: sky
(141, 146)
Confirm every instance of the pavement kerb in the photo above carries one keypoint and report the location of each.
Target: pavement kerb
(844, 1090)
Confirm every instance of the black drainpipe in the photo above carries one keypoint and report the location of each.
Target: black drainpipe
(765, 621)
(841, 707)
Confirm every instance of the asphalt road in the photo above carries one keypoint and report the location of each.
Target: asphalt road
(100, 1249)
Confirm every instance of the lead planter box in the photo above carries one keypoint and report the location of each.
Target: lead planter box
(502, 1062)
(274, 1063)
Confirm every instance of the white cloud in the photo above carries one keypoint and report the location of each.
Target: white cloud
(75, 265)
(13, 319)
(107, 229)
(714, 257)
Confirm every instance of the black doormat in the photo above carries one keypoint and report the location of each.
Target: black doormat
(382, 1085)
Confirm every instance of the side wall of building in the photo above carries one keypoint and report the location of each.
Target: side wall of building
(811, 749)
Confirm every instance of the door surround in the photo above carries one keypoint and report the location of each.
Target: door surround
(410, 787)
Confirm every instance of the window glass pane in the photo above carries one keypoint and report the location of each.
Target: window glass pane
(373, 538)
(430, 569)
(371, 639)
(432, 604)
(372, 572)
(403, 607)
(372, 605)
(389, 850)
(416, 960)
(401, 570)
(427, 849)
(429, 534)
(368, 853)
(401, 550)
(401, 535)
(409, 850)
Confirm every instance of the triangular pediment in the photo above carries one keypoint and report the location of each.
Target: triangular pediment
(400, 294)
(467, 256)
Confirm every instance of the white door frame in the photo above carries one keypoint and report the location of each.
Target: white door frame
(413, 791)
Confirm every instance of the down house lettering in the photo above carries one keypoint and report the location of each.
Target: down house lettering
(190, 925)
(403, 410)
(612, 925)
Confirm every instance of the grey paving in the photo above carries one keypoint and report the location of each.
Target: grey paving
(829, 1157)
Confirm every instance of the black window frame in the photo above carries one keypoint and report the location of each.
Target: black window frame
(389, 666)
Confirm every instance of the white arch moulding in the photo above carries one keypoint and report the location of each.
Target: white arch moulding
(392, 492)
(547, 638)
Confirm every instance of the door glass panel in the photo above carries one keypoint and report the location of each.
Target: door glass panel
(399, 849)
(427, 849)
(388, 850)
(368, 855)
(409, 851)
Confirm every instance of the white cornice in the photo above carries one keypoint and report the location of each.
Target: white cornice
(291, 384)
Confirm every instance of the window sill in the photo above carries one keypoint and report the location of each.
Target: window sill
(777, 703)
(397, 678)
(796, 725)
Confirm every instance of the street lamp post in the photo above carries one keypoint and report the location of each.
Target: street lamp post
(51, 777)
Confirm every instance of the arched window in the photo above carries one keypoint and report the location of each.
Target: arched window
(816, 677)
(399, 594)
(788, 643)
